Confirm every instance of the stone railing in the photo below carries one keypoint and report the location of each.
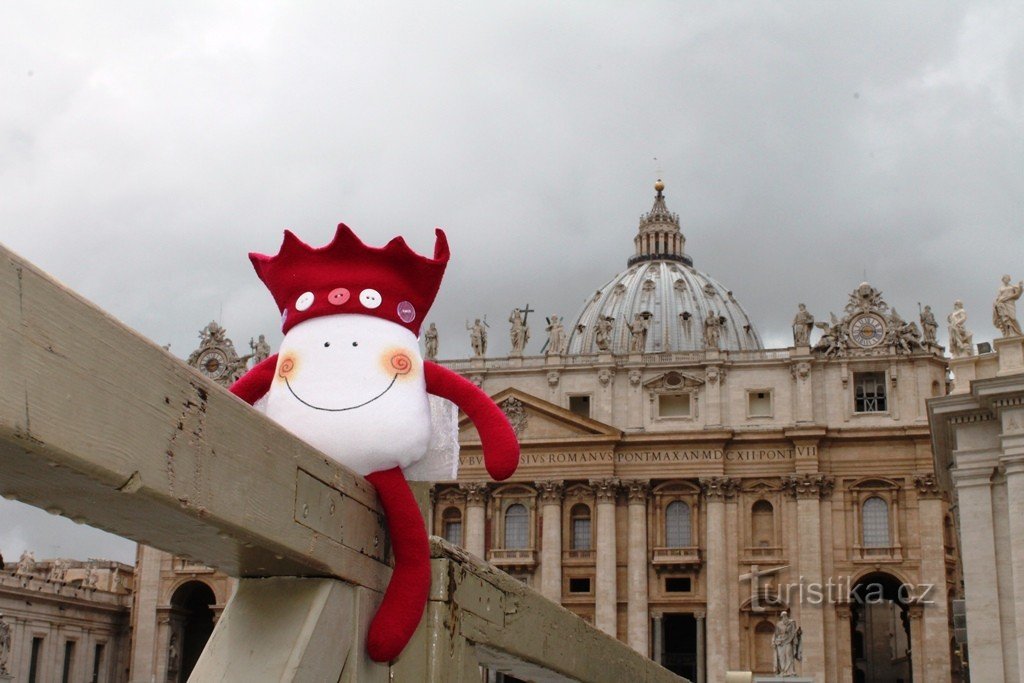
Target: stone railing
(512, 557)
(679, 557)
(579, 556)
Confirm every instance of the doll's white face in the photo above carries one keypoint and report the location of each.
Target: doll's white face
(352, 385)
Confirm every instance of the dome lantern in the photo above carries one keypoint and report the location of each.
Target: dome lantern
(659, 237)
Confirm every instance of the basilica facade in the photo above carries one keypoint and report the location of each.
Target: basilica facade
(681, 486)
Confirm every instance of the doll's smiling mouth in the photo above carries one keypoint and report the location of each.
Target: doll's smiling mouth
(340, 410)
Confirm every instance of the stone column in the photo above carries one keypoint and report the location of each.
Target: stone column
(844, 649)
(974, 494)
(551, 540)
(699, 616)
(809, 489)
(915, 613)
(716, 490)
(659, 637)
(1015, 507)
(476, 500)
(637, 617)
(606, 595)
(935, 616)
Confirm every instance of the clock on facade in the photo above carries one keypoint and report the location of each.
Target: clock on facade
(867, 330)
(213, 363)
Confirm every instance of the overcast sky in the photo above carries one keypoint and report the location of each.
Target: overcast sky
(146, 147)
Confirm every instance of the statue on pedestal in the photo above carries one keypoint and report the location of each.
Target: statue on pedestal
(26, 563)
(712, 330)
(556, 336)
(1004, 308)
(603, 333)
(478, 337)
(928, 325)
(638, 330)
(520, 332)
(430, 341)
(786, 644)
(961, 341)
(260, 349)
(803, 323)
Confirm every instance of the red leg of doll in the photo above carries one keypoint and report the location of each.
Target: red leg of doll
(406, 595)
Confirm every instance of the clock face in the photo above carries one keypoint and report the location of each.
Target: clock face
(867, 330)
(213, 363)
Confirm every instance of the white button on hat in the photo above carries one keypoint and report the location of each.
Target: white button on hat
(370, 298)
(304, 301)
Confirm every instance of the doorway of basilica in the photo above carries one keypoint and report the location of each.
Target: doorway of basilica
(680, 644)
(880, 630)
(193, 624)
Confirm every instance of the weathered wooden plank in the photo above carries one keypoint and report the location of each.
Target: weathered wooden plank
(105, 427)
(516, 630)
(281, 630)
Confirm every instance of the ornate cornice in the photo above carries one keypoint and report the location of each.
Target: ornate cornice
(476, 492)
(927, 486)
(718, 488)
(551, 490)
(637, 490)
(605, 489)
(809, 485)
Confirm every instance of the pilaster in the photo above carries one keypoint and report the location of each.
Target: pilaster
(606, 593)
(551, 492)
(637, 618)
(476, 500)
(716, 490)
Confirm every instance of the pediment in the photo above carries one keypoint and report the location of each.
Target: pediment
(673, 380)
(535, 419)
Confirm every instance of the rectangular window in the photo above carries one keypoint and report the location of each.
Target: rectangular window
(69, 658)
(34, 663)
(579, 585)
(678, 584)
(869, 392)
(581, 533)
(759, 403)
(97, 663)
(674, 405)
(580, 405)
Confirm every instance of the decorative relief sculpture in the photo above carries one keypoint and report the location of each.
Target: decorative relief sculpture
(929, 327)
(803, 323)
(553, 377)
(638, 331)
(715, 374)
(868, 327)
(604, 376)
(430, 341)
(556, 337)
(515, 411)
(519, 334)
(786, 645)
(634, 377)
(478, 337)
(1004, 308)
(603, 333)
(801, 370)
(961, 341)
(927, 486)
(713, 330)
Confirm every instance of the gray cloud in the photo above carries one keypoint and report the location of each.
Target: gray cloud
(805, 145)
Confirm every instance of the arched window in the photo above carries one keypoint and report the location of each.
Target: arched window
(762, 524)
(875, 523)
(678, 531)
(516, 534)
(451, 522)
(581, 534)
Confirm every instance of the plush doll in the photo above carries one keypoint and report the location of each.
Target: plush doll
(349, 380)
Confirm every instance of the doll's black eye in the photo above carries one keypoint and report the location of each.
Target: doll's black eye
(355, 343)
(326, 344)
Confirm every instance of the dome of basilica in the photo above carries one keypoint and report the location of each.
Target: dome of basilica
(661, 302)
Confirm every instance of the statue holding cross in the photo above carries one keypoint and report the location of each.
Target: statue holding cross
(520, 332)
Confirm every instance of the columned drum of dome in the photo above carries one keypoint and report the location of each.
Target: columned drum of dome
(662, 287)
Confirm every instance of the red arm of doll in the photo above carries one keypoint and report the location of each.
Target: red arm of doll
(501, 449)
(251, 386)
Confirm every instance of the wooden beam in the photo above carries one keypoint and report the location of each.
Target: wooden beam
(103, 426)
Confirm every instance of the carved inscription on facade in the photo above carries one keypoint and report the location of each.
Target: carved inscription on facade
(668, 456)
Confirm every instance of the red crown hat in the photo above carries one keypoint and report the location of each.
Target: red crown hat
(346, 276)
